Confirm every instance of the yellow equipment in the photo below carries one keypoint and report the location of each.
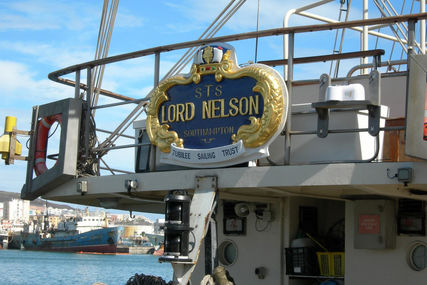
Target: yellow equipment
(6, 138)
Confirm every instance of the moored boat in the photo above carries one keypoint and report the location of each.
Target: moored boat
(101, 240)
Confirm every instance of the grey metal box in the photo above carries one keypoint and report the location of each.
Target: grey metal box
(375, 224)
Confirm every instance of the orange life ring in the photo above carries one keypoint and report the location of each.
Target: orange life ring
(43, 127)
(425, 131)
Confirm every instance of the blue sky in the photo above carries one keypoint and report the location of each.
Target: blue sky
(38, 37)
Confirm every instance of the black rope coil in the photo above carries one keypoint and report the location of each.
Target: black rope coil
(142, 279)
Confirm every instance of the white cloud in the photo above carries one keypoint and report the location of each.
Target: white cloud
(124, 19)
(18, 81)
(42, 15)
(16, 22)
(58, 56)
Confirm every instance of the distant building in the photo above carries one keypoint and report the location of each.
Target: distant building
(1, 210)
(17, 210)
(158, 226)
(53, 221)
(36, 210)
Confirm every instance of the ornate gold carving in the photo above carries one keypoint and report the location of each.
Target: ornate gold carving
(208, 54)
(261, 129)
(257, 133)
(159, 134)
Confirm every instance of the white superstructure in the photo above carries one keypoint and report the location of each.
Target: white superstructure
(346, 179)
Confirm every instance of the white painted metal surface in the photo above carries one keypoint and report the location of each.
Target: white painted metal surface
(201, 208)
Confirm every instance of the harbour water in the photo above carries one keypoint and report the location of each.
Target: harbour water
(37, 267)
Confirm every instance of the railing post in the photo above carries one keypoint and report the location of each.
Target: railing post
(77, 85)
(411, 37)
(153, 150)
(364, 37)
(411, 43)
(156, 69)
(88, 110)
(289, 86)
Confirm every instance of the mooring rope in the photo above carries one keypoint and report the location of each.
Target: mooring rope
(142, 279)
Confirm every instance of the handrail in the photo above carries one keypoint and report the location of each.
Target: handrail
(382, 64)
(55, 76)
(308, 59)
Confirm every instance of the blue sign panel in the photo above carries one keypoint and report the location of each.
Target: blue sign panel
(207, 114)
(219, 114)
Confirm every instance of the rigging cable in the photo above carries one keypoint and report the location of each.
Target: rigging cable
(104, 38)
(257, 29)
(347, 10)
(221, 19)
(177, 68)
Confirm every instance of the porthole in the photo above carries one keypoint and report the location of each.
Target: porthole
(417, 256)
(227, 252)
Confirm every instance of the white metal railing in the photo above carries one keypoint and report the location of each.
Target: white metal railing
(365, 31)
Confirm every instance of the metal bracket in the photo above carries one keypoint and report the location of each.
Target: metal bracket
(201, 209)
(372, 105)
(131, 185)
(374, 120)
(325, 82)
(322, 122)
(322, 109)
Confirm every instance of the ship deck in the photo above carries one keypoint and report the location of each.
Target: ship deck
(329, 181)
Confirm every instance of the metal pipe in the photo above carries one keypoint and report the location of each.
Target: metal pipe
(109, 132)
(411, 38)
(343, 131)
(374, 156)
(88, 112)
(77, 85)
(106, 166)
(112, 137)
(156, 68)
(285, 25)
(118, 133)
(289, 85)
(31, 152)
(400, 40)
(323, 58)
(120, 103)
(153, 148)
(104, 92)
(119, 146)
(387, 63)
(235, 37)
(330, 21)
(364, 39)
(116, 170)
(405, 29)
